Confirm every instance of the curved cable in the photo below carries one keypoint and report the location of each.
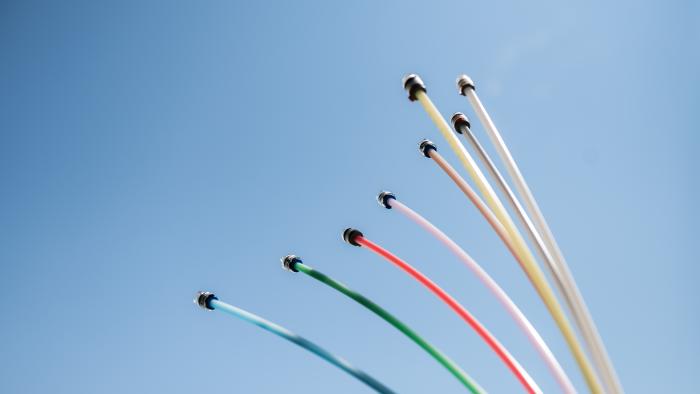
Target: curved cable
(559, 267)
(462, 127)
(513, 365)
(510, 306)
(531, 269)
(445, 361)
(417, 91)
(211, 302)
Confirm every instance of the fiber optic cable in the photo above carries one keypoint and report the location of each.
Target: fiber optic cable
(461, 125)
(417, 91)
(545, 292)
(294, 264)
(209, 301)
(356, 238)
(389, 201)
(557, 262)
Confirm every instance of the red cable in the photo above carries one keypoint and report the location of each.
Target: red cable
(496, 346)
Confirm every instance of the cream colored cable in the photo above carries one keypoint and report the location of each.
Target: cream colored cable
(416, 90)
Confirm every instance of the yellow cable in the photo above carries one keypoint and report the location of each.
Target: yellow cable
(532, 269)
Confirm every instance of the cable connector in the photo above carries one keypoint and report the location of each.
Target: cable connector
(463, 82)
(203, 298)
(413, 83)
(350, 234)
(384, 197)
(289, 262)
(460, 120)
(426, 146)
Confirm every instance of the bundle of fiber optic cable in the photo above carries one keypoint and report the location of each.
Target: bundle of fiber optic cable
(582, 337)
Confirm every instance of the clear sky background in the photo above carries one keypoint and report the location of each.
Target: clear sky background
(152, 149)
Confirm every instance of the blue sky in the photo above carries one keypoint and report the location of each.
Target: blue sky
(152, 149)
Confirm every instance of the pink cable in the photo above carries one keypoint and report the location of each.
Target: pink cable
(496, 290)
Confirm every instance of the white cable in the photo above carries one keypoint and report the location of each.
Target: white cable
(571, 292)
(512, 309)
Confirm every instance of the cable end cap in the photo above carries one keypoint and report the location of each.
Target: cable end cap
(463, 82)
(412, 83)
(289, 262)
(203, 298)
(426, 146)
(384, 197)
(460, 120)
(350, 234)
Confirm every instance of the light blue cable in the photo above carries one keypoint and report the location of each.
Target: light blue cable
(215, 304)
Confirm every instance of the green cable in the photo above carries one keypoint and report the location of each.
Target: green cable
(446, 362)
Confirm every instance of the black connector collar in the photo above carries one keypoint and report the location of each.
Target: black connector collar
(289, 262)
(460, 120)
(426, 146)
(384, 197)
(203, 298)
(350, 234)
(412, 83)
(463, 82)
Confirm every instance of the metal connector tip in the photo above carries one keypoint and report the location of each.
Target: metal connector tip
(203, 298)
(463, 82)
(426, 146)
(289, 262)
(460, 120)
(412, 83)
(350, 234)
(384, 197)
